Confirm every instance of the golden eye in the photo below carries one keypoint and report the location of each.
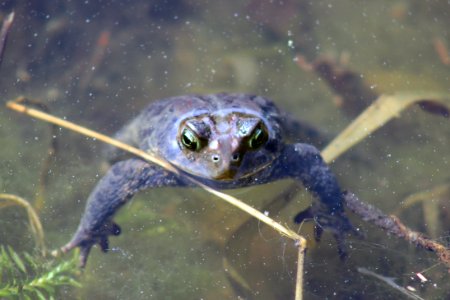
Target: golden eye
(190, 140)
(258, 138)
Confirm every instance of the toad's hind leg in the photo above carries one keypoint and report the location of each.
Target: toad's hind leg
(118, 186)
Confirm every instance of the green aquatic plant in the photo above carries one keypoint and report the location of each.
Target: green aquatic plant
(25, 276)
(36, 228)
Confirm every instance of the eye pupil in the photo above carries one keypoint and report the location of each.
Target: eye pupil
(258, 138)
(186, 141)
(190, 140)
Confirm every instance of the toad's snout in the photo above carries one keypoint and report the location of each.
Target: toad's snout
(225, 165)
(225, 160)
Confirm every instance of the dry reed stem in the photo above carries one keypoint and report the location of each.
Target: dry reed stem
(385, 108)
(300, 266)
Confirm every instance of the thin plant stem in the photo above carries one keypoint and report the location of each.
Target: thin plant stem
(35, 223)
(300, 266)
(390, 281)
(4, 30)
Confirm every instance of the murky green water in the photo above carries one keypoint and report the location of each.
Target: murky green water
(99, 64)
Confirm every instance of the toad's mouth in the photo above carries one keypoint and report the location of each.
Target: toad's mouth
(225, 175)
(236, 174)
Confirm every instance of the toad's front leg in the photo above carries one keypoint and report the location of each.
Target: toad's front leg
(304, 162)
(118, 186)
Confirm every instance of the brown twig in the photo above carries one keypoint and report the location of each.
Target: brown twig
(4, 33)
(393, 225)
(96, 59)
(354, 94)
(442, 51)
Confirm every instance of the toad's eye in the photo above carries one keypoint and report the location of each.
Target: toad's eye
(258, 138)
(190, 140)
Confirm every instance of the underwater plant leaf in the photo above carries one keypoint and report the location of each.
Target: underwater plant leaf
(431, 201)
(235, 277)
(431, 211)
(7, 266)
(385, 108)
(30, 261)
(17, 260)
(26, 297)
(437, 192)
(42, 282)
(4, 292)
(40, 295)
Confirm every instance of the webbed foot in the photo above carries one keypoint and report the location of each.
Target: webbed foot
(85, 240)
(337, 223)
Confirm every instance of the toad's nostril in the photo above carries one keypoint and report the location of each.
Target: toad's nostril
(215, 158)
(235, 157)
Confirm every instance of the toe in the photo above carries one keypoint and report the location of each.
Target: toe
(318, 231)
(104, 244)
(84, 253)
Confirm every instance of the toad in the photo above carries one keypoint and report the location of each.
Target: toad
(225, 141)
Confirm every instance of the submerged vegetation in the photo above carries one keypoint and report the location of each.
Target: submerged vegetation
(26, 276)
(33, 276)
